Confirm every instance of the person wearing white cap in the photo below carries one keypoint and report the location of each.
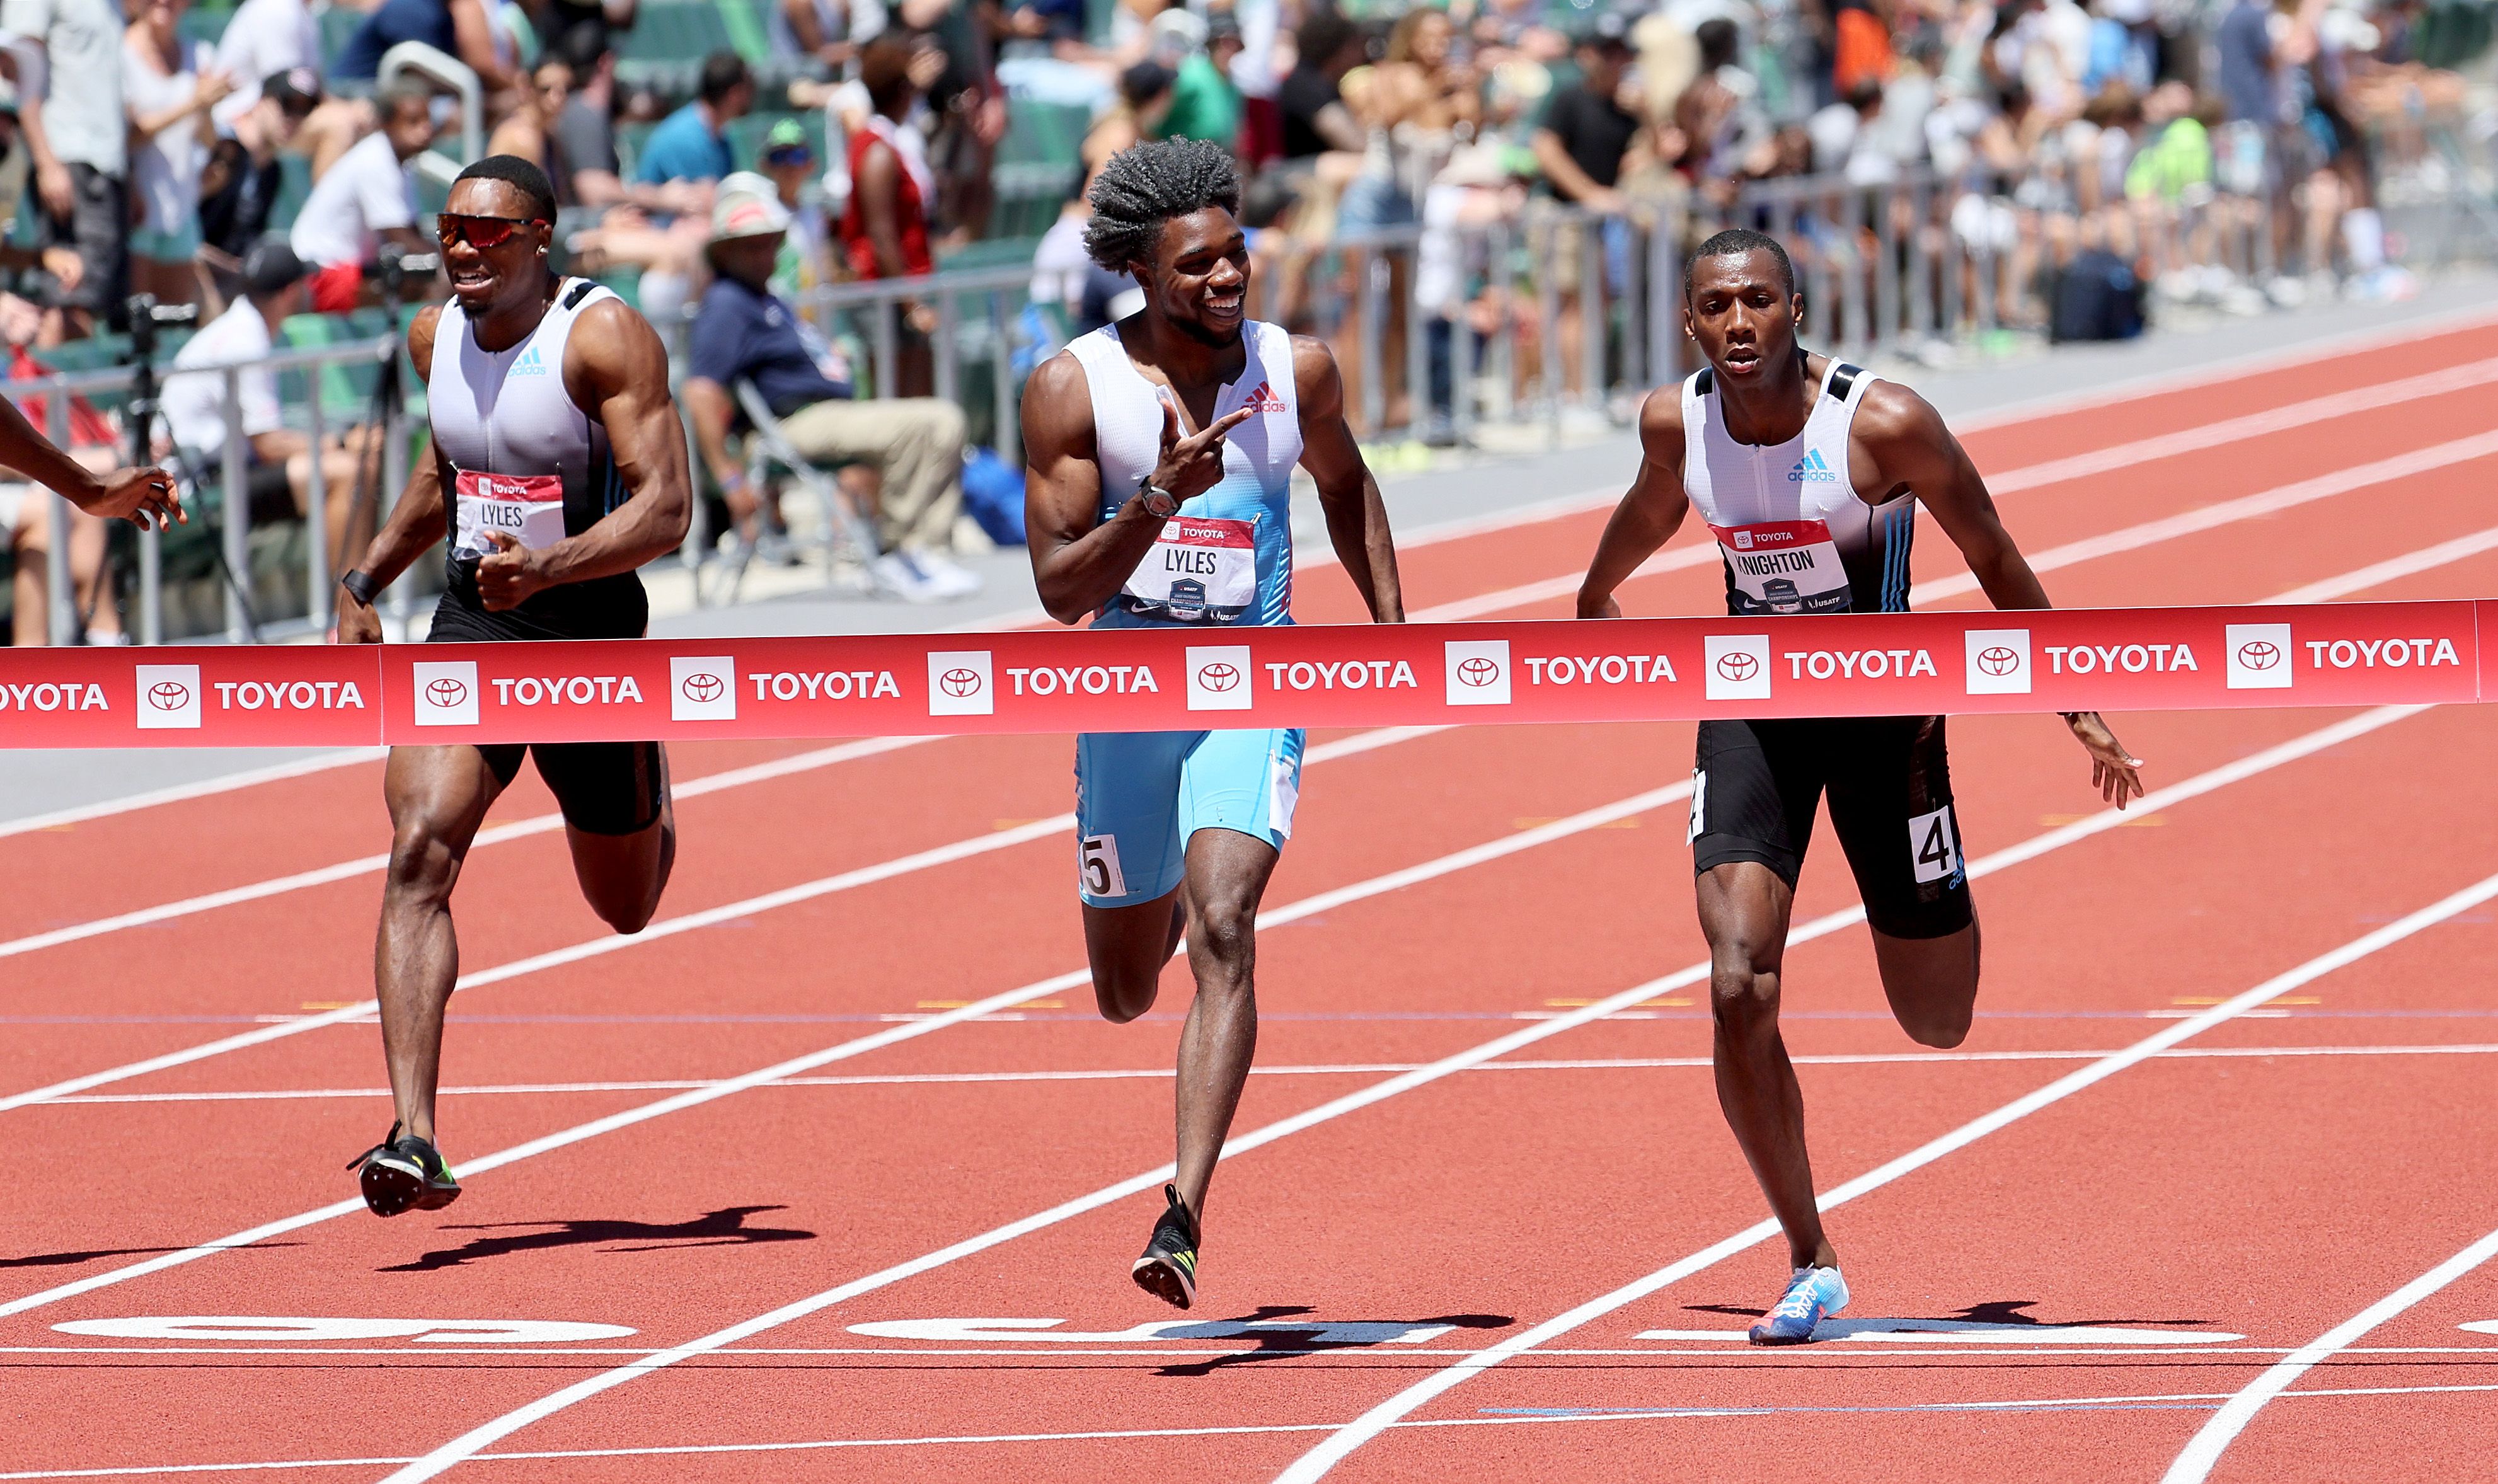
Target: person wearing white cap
(744, 332)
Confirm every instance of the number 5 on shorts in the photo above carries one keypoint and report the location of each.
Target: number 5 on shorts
(1097, 865)
(1934, 840)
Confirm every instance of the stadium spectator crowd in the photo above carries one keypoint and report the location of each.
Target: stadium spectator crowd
(2221, 152)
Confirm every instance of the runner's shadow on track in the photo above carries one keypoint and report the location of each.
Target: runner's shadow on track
(73, 1259)
(726, 1228)
(1281, 1342)
(2004, 1311)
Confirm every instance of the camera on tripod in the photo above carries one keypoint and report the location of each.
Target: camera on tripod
(146, 315)
(395, 269)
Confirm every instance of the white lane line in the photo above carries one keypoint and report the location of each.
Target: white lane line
(669, 927)
(892, 1035)
(180, 792)
(467, 1444)
(1734, 1350)
(1315, 1464)
(2194, 1400)
(1347, 1069)
(2394, 569)
(2205, 1448)
(2404, 466)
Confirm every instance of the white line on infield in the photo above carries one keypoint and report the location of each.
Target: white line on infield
(1318, 1461)
(469, 1443)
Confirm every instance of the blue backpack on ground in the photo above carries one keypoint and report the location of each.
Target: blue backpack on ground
(993, 495)
(2097, 298)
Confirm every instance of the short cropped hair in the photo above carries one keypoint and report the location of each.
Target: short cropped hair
(722, 74)
(1736, 242)
(521, 176)
(1142, 187)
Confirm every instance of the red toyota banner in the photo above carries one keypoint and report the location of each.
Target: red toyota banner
(1188, 679)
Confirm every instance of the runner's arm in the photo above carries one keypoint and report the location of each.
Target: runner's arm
(1080, 562)
(141, 495)
(1648, 515)
(1913, 448)
(1357, 519)
(616, 371)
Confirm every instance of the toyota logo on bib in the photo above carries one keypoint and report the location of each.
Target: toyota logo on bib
(2259, 654)
(445, 692)
(1996, 660)
(1219, 677)
(1738, 666)
(1478, 671)
(168, 696)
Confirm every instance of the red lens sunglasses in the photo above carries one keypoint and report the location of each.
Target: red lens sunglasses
(479, 232)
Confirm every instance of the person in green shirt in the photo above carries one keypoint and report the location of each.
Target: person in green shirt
(1204, 103)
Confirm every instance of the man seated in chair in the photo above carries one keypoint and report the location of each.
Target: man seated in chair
(744, 332)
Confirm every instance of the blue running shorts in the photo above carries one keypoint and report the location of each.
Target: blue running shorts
(1139, 795)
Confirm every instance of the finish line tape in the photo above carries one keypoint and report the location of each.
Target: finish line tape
(1193, 679)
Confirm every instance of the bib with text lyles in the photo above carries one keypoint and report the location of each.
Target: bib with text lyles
(1201, 570)
(526, 507)
(1784, 566)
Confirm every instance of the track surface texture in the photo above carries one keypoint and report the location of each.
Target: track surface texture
(835, 1173)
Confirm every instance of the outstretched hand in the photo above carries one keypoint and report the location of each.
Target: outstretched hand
(143, 496)
(508, 574)
(1191, 466)
(2114, 771)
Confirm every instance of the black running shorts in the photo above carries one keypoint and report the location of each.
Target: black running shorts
(603, 787)
(1755, 787)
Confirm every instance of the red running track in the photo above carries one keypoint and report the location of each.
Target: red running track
(2262, 1180)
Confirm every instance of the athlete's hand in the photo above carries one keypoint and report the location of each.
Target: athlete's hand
(144, 496)
(508, 574)
(358, 622)
(2114, 771)
(1191, 466)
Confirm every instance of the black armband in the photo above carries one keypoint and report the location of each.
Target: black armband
(360, 587)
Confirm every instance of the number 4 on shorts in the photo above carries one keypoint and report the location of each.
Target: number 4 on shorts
(1096, 866)
(1934, 840)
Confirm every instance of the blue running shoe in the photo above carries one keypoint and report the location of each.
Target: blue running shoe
(1812, 1295)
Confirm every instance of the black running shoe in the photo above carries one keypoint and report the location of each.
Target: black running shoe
(1168, 1269)
(399, 1175)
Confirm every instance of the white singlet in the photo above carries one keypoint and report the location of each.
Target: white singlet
(526, 459)
(1795, 536)
(1227, 558)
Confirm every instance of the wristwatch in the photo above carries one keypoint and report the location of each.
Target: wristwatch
(1160, 504)
(360, 587)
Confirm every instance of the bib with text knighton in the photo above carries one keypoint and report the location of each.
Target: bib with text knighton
(1199, 571)
(1784, 566)
(526, 507)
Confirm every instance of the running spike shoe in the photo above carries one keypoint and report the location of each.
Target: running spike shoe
(403, 1174)
(1168, 1269)
(1812, 1295)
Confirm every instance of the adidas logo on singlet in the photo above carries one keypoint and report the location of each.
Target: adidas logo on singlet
(1813, 470)
(1263, 399)
(528, 365)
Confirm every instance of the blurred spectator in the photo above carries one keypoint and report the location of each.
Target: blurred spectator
(168, 86)
(463, 29)
(241, 177)
(26, 526)
(277, 459)
(76, 135)
(366, 199)
(1144, 102)
(1585, 136)
(807, 251)
(826, 31)
(529, 129)
(1311, 96)
(555, 19)
(884, 231)
(744, 332)
(1043, 54)
(691, 144)
(262, 39)
(1861, 45)
(588, 173)
(1206, 104)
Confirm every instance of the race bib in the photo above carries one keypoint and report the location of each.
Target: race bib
(1199, 571)
(1784, 566)
(526, 507)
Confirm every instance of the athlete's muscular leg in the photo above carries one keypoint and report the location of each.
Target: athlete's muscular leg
(1932, 984)
(1127, 948)
(622, 876)
(1744, 911)
(1227, 877)
(437, 796)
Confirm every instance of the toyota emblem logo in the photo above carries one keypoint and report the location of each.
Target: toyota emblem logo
(1997, 660)
(2259, 654)
(702, 686)
(168, 696)
(1478, 671)
(1736, 666)
(1219, 676)
(445, 691)
(959, 682)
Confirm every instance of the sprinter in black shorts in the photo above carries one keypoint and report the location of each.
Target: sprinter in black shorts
(558, 469)
(1809, 473)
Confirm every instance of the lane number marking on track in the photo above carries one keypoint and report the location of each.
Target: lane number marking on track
(423, 1331)
(1969, 1332)
(1320, 1332)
